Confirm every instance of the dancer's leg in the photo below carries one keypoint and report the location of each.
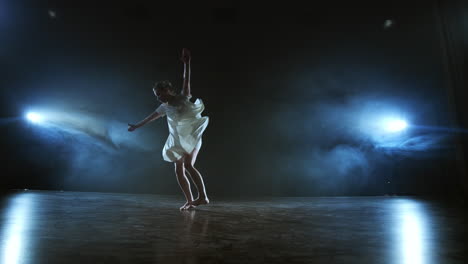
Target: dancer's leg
(183, 183)
(196, 177)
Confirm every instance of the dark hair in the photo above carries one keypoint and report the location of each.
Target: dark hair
(164, 85)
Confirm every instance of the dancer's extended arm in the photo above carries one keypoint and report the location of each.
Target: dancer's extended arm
(186, 57)
(153, 116)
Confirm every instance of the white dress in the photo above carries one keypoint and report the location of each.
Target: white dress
(186, 127)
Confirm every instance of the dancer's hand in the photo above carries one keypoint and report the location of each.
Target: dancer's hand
(131, 127)
(186, 57)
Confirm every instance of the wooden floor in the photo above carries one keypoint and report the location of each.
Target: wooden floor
(78, 227)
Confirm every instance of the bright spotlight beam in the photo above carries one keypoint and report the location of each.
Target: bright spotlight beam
(395, 125)
(34, 117)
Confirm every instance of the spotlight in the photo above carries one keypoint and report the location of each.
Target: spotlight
(388, 23)
(394, 125)
(34, 117)
(52, 14)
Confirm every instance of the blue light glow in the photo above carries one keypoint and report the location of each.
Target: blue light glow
(387, 126)
(14, 229)
(394, 125)
(34, 117)
(62, 122)
(412, 234)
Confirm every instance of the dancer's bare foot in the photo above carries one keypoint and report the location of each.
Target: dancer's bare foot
(187, 206)
(200, 201)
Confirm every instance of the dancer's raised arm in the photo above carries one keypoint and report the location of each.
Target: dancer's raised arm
(186, 57)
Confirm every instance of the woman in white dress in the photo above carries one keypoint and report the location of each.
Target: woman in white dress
(186, 127)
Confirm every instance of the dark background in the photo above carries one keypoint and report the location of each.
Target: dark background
(292, 92)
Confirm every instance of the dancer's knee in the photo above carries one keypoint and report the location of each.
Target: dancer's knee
(179, 165)
(189, 166)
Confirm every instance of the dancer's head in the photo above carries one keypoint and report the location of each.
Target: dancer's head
(164, 91)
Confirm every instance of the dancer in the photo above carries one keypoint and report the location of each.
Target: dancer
(186, 127)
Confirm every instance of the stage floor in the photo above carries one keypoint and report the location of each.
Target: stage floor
(82, 227)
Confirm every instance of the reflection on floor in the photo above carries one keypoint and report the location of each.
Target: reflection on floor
(77, 227)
